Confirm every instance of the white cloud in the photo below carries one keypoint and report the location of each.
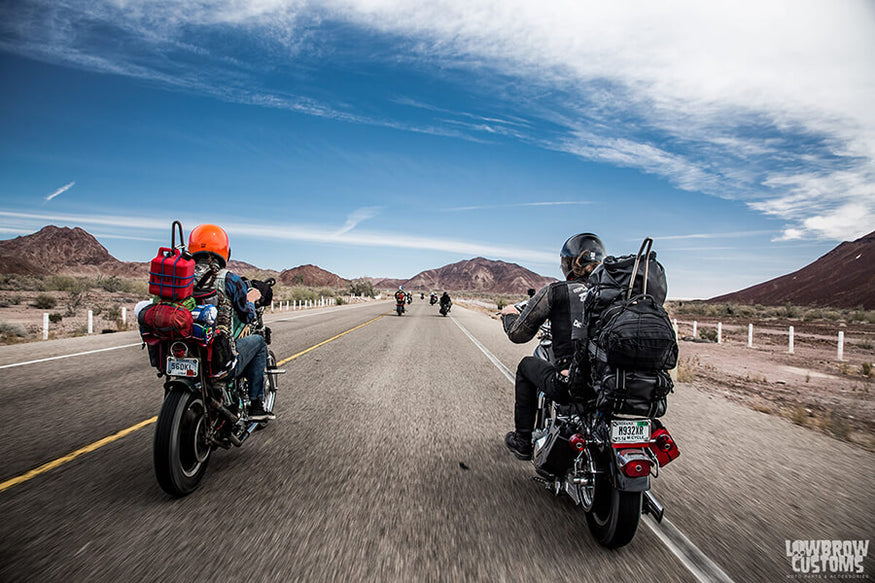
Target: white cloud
(357, 217)
(63, 189)
(295, 232)
(517, 205)
(765, 102)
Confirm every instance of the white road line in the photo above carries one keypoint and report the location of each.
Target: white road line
(140, 343)
(690, 556)
(498, 364)
(69, 355)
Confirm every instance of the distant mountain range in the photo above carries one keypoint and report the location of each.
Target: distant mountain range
(843, 278)
(62, 250)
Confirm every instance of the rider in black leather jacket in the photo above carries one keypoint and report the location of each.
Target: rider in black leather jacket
(561, 303)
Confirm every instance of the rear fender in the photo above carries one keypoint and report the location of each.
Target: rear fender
(185, 384)
(621, 481)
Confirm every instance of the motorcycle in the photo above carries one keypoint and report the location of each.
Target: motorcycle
(203, 408)
(399, 304)
(445, 308)
(433, 300)
(603, 462)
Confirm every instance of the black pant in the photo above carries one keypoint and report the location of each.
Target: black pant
(533, 374)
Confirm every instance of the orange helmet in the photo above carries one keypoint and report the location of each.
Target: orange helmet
(210, 239)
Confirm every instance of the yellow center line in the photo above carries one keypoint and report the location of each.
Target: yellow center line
(48, 466)
(324, 342)
(71, 456)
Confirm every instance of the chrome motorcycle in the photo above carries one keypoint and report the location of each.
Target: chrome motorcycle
(603, 462)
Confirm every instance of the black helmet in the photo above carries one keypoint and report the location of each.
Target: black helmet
(580, 251)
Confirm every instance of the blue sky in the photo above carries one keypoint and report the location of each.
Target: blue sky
(382, 138)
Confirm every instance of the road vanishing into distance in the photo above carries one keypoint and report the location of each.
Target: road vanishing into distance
(386, 464)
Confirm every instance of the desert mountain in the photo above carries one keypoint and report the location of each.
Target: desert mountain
(54, 250)
(843, 278)
(313, 276)
(62, 250)
(479, 274)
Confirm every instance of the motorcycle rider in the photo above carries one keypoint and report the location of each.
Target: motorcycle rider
(561, 303)
(211, 249)
(400, 297)
(446, 302)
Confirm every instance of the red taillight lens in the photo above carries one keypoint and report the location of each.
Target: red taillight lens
(664, 446)
(178, 350)
(634, 463)
(578, 443)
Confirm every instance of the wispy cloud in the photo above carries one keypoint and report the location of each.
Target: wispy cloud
(516, 205)
(356, 217)
(61, 190)
(774, 111)
(308, 233)
(729, 235)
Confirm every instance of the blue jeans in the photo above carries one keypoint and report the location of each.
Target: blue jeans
(251, 362)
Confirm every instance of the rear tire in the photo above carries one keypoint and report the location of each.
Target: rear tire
(614, 517)
(180, 450)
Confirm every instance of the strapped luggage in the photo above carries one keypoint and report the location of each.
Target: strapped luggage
(630, 341)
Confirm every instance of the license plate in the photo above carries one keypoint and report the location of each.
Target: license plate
(182, 367)
(630, 431)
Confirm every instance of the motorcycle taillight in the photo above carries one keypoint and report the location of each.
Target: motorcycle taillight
(578, 443)
(634, 462)
(178, 350)
(664, 446)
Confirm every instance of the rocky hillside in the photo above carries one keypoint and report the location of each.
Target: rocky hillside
(313, 276)
(481, 275)
(843, 278)
(54, 250)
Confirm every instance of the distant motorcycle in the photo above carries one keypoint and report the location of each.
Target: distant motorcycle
(445, 308)
(433, 300)
(602, 462)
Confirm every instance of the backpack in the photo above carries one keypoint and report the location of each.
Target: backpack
(630, 343)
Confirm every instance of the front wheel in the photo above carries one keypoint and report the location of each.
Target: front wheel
(181, 451)
(614, 517)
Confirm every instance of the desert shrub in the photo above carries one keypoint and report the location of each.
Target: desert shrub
(866, 369)
(865, 345)
(709, 334)
(44, 302)
(837, 425)
(339, 300)
(799, 415)
(12, 330)
(112, 313)
(362, 287)
(55, 317)
(110, 284)
(500, 303)
(687, 369)
(18, 282)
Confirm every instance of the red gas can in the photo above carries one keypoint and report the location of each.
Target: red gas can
(171, 276)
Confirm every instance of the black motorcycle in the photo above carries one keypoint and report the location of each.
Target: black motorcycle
(602, 462)
(204, 406)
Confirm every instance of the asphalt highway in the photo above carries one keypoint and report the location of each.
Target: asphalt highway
(386, 464)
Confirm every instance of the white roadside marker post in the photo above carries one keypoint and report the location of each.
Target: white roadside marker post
(695, 329)
(790, 349)
(124, 316)
(90, 322)
(45, 325)
(719, 332)
(841, 352)
(750, 335)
